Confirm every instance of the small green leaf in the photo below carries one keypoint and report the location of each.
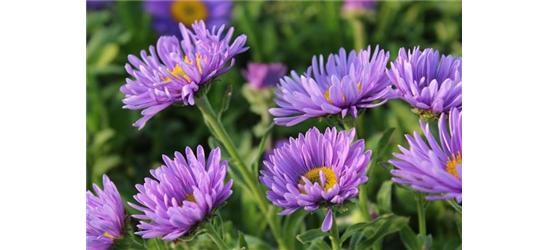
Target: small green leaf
(384, 197)
(391, 225)
(409, 238)
(242, 244)
(359, 226)
(425, 242)
(226, 101)
(311, 235)
(261, 149)
(455, 205)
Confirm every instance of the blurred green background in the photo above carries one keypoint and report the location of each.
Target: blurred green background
(290, 32)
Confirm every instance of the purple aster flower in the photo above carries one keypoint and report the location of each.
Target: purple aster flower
(316, 170)
(433, 168)
(104, 216)
(175, 70)
(167, 14)
(341, 86)
(358, 5)
(261, 75)
(429, 82)
(185, 192)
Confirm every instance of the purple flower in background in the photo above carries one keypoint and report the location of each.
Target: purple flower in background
(278, 144)
(316, 169)
(104, 216)
(261, 75)
(184, 193)
(427, 81)
(167, 15)
(433, 168)
(175, 70)
(97, 5)
(341, 86)
(358, 5)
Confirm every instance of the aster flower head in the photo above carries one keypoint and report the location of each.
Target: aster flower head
(344, 84)
(316, 170)
(431, 167)
(431, 83)
(261, 75)
(166, 15)
(185, 192)
(104, 216)
(175, 70)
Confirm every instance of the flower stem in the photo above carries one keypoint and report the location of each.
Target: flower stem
(359, 34)
(217, 128)
(334, 234)
(421, 214)
(214, 236)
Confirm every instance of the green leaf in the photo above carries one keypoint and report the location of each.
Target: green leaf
(359, 226)
(409, 238)
(381, 147)
(384, 197)
(455, 205)
(391, 225)
(318, 244)
(242, 244)
(460, 220)
(225, 102)
(311, 235)
(261, 149)
(425, 242)
(291, 225)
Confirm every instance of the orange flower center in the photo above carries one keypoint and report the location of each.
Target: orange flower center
(187, 12)
(452, 163)
(314, 177)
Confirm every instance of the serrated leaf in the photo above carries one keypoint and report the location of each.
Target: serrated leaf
(311, 235)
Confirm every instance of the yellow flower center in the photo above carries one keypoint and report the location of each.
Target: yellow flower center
(177, 72)
(327, 93)
(314, 177)
(108, 235)
(190, 197)
(452, 163)
(187, 12)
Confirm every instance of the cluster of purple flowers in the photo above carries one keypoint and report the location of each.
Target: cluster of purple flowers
(315, 170)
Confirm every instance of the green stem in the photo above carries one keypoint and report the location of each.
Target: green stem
(363, 201)
(348, 124)
(210, 117)
(359, 35)
(334, 233)
(214, 236)
(421, 214)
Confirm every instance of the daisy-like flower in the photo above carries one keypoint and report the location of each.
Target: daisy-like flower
(341, 86)
(167, 14)
(104, 216)
(431, 83)
(176, 70)
(433, 168)
(316, 170)
(261, 75)
(185, 192)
